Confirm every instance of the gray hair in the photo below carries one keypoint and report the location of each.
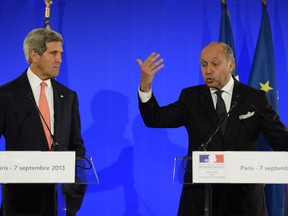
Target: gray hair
(228, 51)
(36, 40)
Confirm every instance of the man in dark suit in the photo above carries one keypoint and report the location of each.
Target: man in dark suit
(24, 128)
(196, 111)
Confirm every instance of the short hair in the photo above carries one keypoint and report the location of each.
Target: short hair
(228, 51)
(36, 40)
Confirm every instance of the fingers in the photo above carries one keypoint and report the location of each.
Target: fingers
(139, 62)
(157, 65)
(149, 67)
(153, 61)
(152, 64)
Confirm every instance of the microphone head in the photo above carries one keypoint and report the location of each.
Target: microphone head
(234, 103)
(55, 145)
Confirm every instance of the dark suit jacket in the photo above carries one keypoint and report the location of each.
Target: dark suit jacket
(21, 126)
(195, 111)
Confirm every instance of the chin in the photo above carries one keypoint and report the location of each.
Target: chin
(211, 85)
(54, 75)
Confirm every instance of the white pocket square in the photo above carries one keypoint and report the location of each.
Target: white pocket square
(245, 116)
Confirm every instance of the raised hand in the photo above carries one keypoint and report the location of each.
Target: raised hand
(149, 68)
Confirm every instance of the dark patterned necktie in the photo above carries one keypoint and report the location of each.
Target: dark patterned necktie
(221, 110)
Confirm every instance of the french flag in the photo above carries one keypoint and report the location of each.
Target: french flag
(211, 158)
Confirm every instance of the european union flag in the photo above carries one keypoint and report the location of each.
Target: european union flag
(263, 76)
(225, 33)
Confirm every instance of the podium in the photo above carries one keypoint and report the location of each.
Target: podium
(183, 174)
(230, 167)
(62, 169)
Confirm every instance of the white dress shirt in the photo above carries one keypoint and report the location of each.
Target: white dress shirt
(226, 94)
(35, 82)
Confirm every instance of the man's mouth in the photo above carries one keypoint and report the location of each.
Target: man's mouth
(209, 79)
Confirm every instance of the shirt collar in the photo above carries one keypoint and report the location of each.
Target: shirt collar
(228, 88)
(35, 81)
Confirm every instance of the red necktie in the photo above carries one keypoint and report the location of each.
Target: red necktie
(44, 109)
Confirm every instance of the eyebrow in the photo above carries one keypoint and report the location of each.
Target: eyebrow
(55, 51)
(210, 59)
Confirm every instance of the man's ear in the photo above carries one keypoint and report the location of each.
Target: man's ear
(232, 66)
(34, 56)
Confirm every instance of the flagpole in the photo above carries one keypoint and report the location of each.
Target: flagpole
(47, 26)
(47, 14)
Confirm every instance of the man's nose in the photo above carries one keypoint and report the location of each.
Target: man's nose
(209, 69)
(59, 58)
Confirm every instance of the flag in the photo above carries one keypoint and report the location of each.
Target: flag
(211, 158)
(263, 76)
(225, 33)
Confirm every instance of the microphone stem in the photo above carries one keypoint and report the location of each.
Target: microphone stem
(205, 144)
(55, 144)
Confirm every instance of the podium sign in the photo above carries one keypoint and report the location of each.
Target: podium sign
(37, 167)
(240, 167)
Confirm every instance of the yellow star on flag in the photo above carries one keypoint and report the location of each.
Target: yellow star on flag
(265, 87)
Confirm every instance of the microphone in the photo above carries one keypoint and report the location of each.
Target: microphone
(55, 144)
(204, 145)
(252, 106)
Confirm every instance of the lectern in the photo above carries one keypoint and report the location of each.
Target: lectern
(62, 169)
(183, 174)
(230, 167)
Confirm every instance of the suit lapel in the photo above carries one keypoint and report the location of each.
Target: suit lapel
(207, 103)
(239, 96)
(28, 102)
(58, 97)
